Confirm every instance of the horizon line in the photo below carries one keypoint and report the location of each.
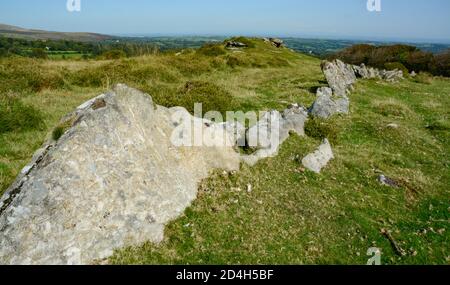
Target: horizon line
(307, 37)
(251, 34)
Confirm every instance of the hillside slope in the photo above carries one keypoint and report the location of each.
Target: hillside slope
(290, 216)
(28, 34)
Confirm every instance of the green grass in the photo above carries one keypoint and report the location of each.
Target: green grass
(60, 55)
(18, 117)
(291, 216)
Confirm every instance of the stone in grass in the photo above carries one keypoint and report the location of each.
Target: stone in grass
(340, 76)
(320, 158)
(386, 181)
(327, 105)
(392, 126)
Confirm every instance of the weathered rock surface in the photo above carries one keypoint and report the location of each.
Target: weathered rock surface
(327, 105)
(234, 44)
(386, 181)
(365, 72)
(392, 76)
(112, 180)
(275, 42)
(320, 158)
(340, 76)
(235, 132)
(273, 130)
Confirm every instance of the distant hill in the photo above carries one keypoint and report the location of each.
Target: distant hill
(323, 47)
(17, 32)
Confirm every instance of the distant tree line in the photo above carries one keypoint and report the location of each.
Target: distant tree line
(41, 48)
(404, 57)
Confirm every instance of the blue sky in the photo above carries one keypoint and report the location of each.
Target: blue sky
(421, 20)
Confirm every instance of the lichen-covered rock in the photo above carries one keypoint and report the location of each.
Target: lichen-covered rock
(114, 179)
(327, 105)
(320, 158)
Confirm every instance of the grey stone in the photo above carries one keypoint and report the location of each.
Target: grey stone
(320, 158)
(235, 131)
(273, 130)
(365, 72)
(392, 76)
(277, 42)
(327, 105)
(234, 44)
(262, 135)
(392, 126)
(115, 183)
(293, 120)
(340, 76)
(386, 181)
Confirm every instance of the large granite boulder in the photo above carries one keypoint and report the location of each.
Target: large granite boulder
(113, 179)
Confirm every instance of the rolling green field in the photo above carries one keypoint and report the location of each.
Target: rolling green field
(291, 216)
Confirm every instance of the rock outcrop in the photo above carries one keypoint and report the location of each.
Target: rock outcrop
(327, 104)
(272, 131)
(340, 76)
(112, 180)
(334, 100)
(275, 42)
(320, 158)
(234, 45)
(364, 72)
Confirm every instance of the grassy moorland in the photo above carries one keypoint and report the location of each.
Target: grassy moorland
(291, 216)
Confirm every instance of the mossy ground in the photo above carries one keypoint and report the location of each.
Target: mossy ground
(291, 216)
